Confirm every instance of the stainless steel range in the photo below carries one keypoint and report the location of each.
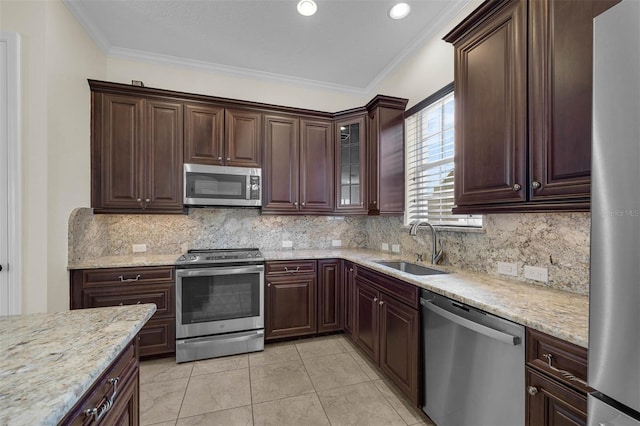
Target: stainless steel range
(219, 303)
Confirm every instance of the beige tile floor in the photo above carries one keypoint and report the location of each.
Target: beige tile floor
(318, 381)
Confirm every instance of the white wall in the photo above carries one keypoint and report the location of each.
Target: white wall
(193, 80)
(428, 69)
(57, 57)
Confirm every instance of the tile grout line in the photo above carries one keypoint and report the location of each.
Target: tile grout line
(185, 393)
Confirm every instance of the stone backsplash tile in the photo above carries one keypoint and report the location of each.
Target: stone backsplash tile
(557, 241)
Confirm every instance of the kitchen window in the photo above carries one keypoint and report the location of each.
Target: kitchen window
(429, 129)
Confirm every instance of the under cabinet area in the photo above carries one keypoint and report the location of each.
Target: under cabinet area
(302, 298)
(556, 374)
(96, 288)
(386, 326)
(527, 66)
(222, 136)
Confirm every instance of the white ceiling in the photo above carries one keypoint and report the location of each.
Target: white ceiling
(348, 45)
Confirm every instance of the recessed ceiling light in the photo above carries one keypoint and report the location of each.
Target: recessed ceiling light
(399, 11)
(307, 7)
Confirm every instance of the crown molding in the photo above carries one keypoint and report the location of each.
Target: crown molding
(155, 58)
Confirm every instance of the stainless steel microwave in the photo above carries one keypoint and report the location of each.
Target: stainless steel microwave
(206, 185)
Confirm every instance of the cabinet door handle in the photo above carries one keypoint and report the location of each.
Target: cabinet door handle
(268, 284)
(220, 158)
(291, 271)
(375, 299)
(563, 373)
(99, 412)
(228, 158)
(295, 203)
(350, 269)
(535, 184)
(516, 187)
(532, 390)
(381, 302)
(129, 280)
(303, 204)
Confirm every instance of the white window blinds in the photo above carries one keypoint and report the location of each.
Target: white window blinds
(429, 166)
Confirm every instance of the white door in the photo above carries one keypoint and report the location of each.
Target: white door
(10, 288)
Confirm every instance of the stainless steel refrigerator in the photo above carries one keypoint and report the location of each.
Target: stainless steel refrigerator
(614, 295)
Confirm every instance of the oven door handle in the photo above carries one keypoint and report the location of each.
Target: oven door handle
(220, 270)
(241, 337)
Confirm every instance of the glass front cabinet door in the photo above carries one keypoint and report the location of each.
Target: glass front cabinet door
(350, 163)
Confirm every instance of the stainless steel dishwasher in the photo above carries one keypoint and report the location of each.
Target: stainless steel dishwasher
(473, 365)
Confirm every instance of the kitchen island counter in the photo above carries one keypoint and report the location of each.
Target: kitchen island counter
(48, 361)
(555, 312)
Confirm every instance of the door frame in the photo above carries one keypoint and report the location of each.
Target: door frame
(10, 60)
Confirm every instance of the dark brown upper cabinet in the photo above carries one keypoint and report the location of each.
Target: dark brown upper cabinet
(523, 106)
(136, 154)
(385, 155)
(351, 162)
(220, 136)
(298, 165)
(313, 162)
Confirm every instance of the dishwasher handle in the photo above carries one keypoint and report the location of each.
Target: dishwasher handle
(471, 325)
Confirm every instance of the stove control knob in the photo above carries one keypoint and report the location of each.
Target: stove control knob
(192, 257)
(182, 258)
(249, 255)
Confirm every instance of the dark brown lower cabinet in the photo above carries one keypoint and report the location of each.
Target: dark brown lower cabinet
(553, 404)
(556, 375)
(290, 305)
(96, 288)
(329, 296)
(302, 298)
(399, 334)
(387, 330)
(125, 407)
(348, 271)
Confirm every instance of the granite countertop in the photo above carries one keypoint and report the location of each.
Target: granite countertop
(48, 361)
(558, 313)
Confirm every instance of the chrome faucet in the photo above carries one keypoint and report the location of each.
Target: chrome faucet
(436, 255)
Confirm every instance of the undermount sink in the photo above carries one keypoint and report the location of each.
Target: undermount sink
(411, 268)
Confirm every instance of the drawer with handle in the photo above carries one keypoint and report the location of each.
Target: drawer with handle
(119, 276)
(561, 360)
(160, 294)
(104, 401)
(291, 267)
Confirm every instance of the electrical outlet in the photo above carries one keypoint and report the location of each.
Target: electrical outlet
(139, 248)
(385, 247)
(395, 248)
(536, 273)
(506, 268)
(336, 243)
(287, 244)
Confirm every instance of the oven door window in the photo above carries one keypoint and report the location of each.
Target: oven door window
(220, 297)
(214, 185)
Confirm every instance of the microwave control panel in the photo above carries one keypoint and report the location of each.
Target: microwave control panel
(255, 187)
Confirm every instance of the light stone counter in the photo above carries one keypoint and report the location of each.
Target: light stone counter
(48, 361)
(558, 313)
